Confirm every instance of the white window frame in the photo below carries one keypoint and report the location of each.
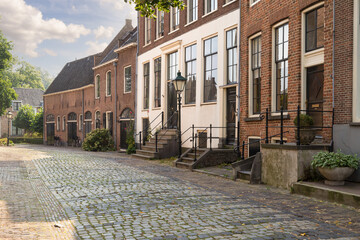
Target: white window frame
(129, 66)
(63, 123)
(97, 111)
(251, 86)
(12, 105)
(80, 122)
(107, 84)
(58, 123)
(177, 12)
(97, 85)
(147, 30)
(107, 119)
(157, 24)
(196, 8)
(253, 2)
(356, 64)
(273, 75)
(214, 8)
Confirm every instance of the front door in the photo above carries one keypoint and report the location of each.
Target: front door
(172, 106)
(123, 134)
(72, 136)
(315, 90)
(230, 115)
(50, 133)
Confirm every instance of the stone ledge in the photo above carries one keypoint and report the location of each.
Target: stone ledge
(293, 146)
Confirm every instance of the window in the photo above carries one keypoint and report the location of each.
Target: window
(172, 65)
(80, 122)
(63, 123)
(281, 65)
(255, 75)
(192, 10)
(147, 30)
(58, 123)
(127, 72)
(97, 119)
(160, 24)
(108, 83)
(16, 105)
(175, 18)
(231, 50)
(190, 64)
(157, 76)
(210, 5)
(146, 85)
(314, 33)
(254, 146)
(97, 86)
(252, 2)
(210, 57)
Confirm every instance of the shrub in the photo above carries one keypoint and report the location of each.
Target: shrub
(333, 160)
(305, 120)
(30, 140)
(130, 140)
(98, 140)
(3, 142)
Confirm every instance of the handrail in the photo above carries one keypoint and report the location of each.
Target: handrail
(142, 133)
(164, 126)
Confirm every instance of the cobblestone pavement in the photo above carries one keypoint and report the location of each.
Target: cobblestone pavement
(112, 196)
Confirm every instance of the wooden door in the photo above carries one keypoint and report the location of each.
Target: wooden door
(230, 115)
(50, 133)
(315, 90)
(172, 106)
(123, 134)
(72, 136)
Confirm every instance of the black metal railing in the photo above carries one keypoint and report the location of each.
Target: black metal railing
(165, 126)
(143, 134)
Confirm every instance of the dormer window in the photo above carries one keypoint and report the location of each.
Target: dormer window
(16, 105)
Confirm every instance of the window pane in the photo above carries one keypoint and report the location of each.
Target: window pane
(208, 63)
(311, 21)
(286, 32)
(286, 47)
(320, 38)
(320, 18)
(310, 41)
(279, 35)
(207, 49)
(214, 45)
(214, 61)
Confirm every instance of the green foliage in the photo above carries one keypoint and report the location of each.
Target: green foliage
(99, 140)
(130, 140)
(333, 160)
(37, 124)
(3, 142)
(30, 140)
(305, 120)
(7, 94)
(24, 118)
(147, 7)
(46, 78)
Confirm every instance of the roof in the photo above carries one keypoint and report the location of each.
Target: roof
(74, 75)
(30, 96)
(130, 38)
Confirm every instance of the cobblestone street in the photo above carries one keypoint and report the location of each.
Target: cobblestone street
(64, 193)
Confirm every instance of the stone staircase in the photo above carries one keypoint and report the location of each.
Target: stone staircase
(248, 169)
(166, 146)
(188, 158)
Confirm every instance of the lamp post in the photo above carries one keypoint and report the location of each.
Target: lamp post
(179, 85)
(9, 116)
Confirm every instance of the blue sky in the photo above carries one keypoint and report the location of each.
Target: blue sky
(49, 33)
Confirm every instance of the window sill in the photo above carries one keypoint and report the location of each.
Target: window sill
(156, 108)
(253, 4)
(226, 4)
(148, 44)
(127, 92)
(145, 110)
(188, 24)
(252, 119)
(108, 96)
(286, 116)
(354, 124)
(173, 31)
(189, 105)
(208, 103)
(207, 14)
(158, 38)
(229, 85)
(314, 52)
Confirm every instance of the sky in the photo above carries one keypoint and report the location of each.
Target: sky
(50, 33)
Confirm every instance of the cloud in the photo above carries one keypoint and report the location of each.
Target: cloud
(95, 47)
(50, 52)
(26, 27)
(117, 4)
(102, 32)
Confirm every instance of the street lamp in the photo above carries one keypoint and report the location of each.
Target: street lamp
(9, 116)
(179, 85)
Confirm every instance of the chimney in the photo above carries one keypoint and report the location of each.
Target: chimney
(128, 22)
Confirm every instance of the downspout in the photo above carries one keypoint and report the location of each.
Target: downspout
(115, 110)
(333, 59)
(136, 73)
(44, 121)
(83, 115)
(239, 79)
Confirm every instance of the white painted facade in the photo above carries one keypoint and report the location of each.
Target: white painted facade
(200, 114)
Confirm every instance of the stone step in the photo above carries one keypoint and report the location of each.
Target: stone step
(188, 160)
(244, 175)
(183, 165)
(192, 155)
(161, 144)
(141, 156)
(151, 154)
(151, 148)
(163, 137)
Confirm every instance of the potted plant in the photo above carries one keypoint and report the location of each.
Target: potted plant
(307, 134)
(335, 167)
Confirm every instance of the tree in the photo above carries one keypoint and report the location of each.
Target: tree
(7, 94)
(147, 7)
(46, 78)
(24, 118)
(37, 124)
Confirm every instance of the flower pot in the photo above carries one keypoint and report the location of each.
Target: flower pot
(336, 176)
(307, 135)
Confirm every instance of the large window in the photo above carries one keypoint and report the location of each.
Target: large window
(175, 18)
(281, 65)
(190, 64)
(147, 30)
(80, 122)
(58, 123)
(160, 24)
(63, 123)
(97, 119)
(108, 83)
(314, 33)
(231, 50)
(192, 7)
(97, 86)
(256, 74)
(210, 5)
(210, 81)
(127, 79)
(157, 76)
(146, 85)
(172, 65)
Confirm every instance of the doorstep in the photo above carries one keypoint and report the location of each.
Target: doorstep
(224, 171)
(349, 194)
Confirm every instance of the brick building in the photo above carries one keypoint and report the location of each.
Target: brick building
(94, 92)
(32, 97)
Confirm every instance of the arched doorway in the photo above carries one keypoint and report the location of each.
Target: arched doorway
(72, 130)
(88, 122)
(126, 117)
(50, 129)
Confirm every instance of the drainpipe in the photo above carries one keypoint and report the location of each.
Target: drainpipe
(44, 121)
(115, 111)
(239, 77)
(136, 75)
(83, 115)
(333, 58)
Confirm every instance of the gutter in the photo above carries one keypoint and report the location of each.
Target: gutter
(333, 59)
(115, 110)
(239, 78)
(136, 74)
